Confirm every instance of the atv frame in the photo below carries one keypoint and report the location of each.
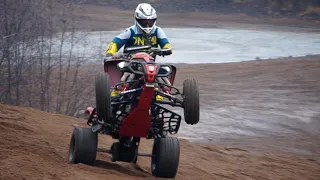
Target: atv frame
(135, 112)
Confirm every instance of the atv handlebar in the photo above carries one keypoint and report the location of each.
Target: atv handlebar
(147, 49)
(161, 52)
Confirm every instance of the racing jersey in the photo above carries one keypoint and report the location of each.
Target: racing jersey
(133, 37)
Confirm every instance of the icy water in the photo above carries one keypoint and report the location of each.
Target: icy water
(196, 45)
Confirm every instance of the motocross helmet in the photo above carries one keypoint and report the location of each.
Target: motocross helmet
(145, 18)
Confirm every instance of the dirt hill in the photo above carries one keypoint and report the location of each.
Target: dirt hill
(34, 145)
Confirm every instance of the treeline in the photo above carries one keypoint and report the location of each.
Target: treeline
(36, 70)
(288, 8)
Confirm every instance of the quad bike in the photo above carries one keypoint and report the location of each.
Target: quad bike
(134, 108)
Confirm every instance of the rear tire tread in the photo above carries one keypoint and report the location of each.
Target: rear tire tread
(103, 104)
(191, 101)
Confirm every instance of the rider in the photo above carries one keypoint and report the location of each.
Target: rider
(143, 32)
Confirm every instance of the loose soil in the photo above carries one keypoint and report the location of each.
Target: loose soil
(34, 144)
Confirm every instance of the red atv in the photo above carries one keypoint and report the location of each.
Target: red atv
(130, 107)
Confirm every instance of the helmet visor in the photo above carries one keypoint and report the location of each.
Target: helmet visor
(146, 23)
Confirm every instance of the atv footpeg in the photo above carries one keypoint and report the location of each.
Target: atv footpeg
(97, 127)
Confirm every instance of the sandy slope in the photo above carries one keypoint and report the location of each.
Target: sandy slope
(34, 144)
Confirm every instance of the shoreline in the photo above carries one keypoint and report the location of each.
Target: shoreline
(313, 57)
(274, 100)
(95, 18)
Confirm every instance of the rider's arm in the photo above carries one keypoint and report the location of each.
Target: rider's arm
(118, 42)
(162, 39)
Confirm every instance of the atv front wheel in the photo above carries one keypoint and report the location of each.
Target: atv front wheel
(83, 146)
(191, 101)
(165, 157)
(103, 104)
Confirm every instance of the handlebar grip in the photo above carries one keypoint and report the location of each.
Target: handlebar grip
(166, 52)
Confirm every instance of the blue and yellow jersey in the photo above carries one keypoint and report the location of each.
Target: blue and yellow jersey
(133, 37)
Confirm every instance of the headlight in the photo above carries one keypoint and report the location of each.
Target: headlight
(166, 68)
(151, 68)
(122, 64)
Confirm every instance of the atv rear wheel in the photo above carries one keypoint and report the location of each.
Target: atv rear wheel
(191, 101)
(83, 146)
(165, 157)
(103, 104)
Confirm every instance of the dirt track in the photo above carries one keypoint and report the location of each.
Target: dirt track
(34, 144)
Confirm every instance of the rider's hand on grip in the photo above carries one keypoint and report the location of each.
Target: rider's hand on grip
(166, 52)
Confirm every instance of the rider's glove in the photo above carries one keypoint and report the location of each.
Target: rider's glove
(107, 57)
(166, 52)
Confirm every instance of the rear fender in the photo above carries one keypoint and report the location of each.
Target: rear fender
(114, 72)
(173, 74)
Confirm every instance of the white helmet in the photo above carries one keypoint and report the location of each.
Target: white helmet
(146, 17)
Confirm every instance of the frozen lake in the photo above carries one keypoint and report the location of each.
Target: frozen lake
(197, 45)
